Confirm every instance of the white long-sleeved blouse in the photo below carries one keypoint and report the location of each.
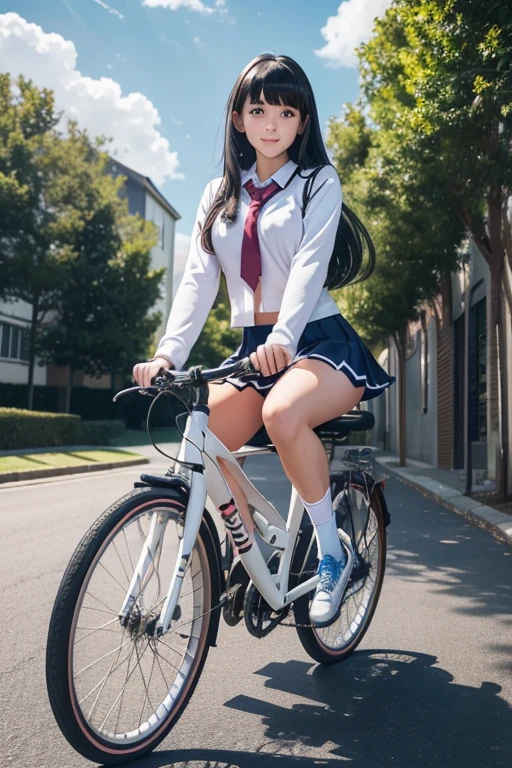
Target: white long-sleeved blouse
(295, 254)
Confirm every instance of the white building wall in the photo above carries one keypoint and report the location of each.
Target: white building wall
(162, 255)
(18, 313)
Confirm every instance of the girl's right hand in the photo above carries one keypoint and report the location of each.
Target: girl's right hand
(144, 372)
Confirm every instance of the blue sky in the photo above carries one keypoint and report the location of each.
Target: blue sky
(156, 74)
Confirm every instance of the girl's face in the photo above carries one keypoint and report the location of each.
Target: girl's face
(270, 129)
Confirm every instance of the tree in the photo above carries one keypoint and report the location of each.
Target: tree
(101, 322)
(438, 77)
(67, 242)
(47, 183)
(398, 208)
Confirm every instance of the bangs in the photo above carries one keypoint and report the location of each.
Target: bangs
(279, 87)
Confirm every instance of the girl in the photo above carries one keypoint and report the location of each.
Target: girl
(279, 260)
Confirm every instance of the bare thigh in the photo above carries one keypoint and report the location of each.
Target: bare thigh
(235, 416)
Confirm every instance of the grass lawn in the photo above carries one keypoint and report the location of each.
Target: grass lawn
(57, 459)
(134, 437)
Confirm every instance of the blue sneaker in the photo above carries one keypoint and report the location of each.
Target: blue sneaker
(327, 598)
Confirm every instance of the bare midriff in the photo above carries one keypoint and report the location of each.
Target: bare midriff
(263, 318)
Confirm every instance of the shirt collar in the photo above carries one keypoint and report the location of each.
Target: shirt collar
(281, 176)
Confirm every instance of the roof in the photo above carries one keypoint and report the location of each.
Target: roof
(146, 182)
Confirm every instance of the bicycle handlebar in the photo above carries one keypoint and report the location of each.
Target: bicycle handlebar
(195, 376)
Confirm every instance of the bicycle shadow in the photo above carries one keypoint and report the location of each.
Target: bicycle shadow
(381, 707)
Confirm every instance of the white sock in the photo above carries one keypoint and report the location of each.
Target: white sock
(322, 517)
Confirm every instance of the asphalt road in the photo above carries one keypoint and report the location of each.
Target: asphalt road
(430, 685)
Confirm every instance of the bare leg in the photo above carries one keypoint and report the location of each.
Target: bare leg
(234, 418)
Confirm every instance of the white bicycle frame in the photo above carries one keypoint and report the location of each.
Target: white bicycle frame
(200, 445)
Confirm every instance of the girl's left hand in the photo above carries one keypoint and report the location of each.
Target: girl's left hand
(270, 359)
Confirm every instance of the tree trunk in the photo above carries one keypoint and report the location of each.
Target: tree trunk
(400, 342)
(498, 336)
(32, 354)
(68, 389)
(500, 375)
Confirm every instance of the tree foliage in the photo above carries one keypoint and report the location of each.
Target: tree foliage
(67, 244)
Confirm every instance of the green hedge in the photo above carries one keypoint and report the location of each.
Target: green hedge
(93, 404)
(37, 429)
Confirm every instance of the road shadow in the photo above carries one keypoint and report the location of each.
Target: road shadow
(429, 543)
(386, 708)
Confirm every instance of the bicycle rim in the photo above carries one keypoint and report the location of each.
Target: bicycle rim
(125, 684)
(361, 594)
(337, 641)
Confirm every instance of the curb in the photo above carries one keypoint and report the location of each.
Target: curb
(35, 474)
(492, 520)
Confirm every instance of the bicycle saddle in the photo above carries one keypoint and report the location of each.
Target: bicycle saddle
(355, 421)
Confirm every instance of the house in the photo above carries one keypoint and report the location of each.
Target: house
(451, 420)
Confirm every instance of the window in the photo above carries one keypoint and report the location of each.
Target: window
(14, 341)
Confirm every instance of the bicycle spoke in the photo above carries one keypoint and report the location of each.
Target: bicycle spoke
(97, 629)
(103, 684)
(112, 577)
(111, 671)
(122, 689)
(99, 610)
(155, 655)
(164, 659)
(90, 594)
(146, 685)
(169, 646)
(122, 564)
(356, 599)
(128, 550)
(126, 691)
(119, 647)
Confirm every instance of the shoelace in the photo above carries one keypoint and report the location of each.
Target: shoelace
(330, 570)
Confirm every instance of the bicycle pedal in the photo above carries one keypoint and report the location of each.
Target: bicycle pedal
(237, 583)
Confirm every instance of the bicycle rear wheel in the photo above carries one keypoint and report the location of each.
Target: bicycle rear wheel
(364, 521)
(116, 691)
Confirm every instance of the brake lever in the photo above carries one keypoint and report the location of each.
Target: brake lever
(131, 389)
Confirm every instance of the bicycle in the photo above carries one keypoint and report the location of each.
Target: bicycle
(150, 575)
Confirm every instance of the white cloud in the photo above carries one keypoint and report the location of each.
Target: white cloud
(109, 9)
(99, 105)
(352, 25)
(190, 5)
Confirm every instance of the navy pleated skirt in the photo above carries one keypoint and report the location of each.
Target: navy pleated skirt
(331, 339)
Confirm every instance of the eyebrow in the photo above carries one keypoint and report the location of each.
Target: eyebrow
(264, 103)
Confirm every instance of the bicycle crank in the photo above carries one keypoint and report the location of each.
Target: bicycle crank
(260, 618)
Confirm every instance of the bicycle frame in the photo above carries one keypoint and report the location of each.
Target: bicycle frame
(198, 444)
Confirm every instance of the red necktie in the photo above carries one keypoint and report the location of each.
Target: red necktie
(250, 269)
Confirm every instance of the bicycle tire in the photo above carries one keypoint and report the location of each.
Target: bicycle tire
(309, 636)
(60, 686)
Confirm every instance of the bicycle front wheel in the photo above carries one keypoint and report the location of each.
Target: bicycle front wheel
(363, 521)
(116, 691)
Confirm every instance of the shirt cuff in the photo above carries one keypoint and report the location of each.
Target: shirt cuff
(161, 357)
(275, 337)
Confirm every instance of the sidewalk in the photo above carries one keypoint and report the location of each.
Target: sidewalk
(444, 486)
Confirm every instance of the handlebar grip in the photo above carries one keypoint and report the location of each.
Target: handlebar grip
(165, 372)
(251, 368)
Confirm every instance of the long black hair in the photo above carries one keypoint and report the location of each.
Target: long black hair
(284, 82)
